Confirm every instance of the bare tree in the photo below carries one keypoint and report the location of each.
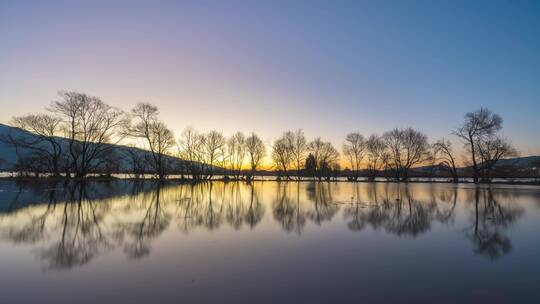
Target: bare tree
(282, 152)
(375, 155)
(191, 146)
(45, 144)
(325, 156)
(443, 153)
(299, 150)
(256, 151)
(491, 149)
(354, 149)
(236, 146)
(476, 127)
(223, 158)
(406, 148)
(90, 126)
(213, 146)
(158, 138)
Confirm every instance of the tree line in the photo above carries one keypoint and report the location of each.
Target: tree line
(77, 135)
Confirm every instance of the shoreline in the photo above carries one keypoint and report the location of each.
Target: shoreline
(189, 180)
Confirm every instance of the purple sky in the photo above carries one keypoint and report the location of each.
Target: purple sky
(328, 67)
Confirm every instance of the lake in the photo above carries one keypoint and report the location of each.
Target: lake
(270, 242)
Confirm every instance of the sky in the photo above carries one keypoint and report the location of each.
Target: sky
(328, 67)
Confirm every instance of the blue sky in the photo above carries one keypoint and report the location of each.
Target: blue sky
(328, 67)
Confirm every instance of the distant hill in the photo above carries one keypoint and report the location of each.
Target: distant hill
(8, 154)
(525, 162)
(521, 162)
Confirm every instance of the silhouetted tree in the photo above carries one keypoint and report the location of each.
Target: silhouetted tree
(282, 152)
(325, 156)
(46, 146)
(256, 151)
(406, 148)
(311, 165)
(191, 147)
(213, 146)
(156, 136)
(90, 126)
(476, 127)
(236, 146)
(375, 155)
(299, 149)
(444, 155)
(491, 150)
(354, 149)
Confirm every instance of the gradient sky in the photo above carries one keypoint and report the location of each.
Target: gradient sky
(328, 67)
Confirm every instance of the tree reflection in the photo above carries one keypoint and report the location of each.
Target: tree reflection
(292, 211)
(324, 207)
(446, 201)
(211, 205)
(395, 209)
(286, 207)
(71, 223)
(192, 210)
(488, 222)
(81, 237)
(71, 228)
(410, 216)
(234, 205)
(255, 210)
(33, 228)
(143, 229)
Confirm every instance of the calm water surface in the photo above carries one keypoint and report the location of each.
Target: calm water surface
(270, 242)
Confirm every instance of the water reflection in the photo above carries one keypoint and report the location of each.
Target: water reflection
(77, 237)
(489, 221)
(211, 205)
(70, 234)
(148, 220)
(69, 224)
(295, 203)
(398, 210)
